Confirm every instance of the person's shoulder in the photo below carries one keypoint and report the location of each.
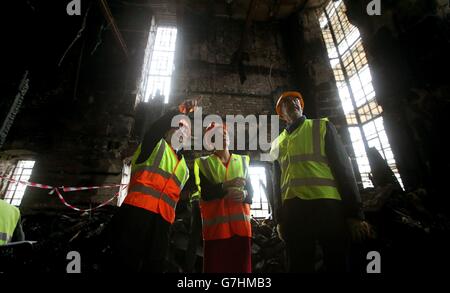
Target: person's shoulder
(323, 119)
(4, 204)
(236, 156)
(242, 155)
(327, 122)
(247, 158)
(202, 158)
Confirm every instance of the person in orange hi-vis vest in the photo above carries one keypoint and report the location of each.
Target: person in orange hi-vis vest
(158, 174)
(225, 198)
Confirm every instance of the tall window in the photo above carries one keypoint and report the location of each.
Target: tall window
(260, 205)
(354, 82)
(126, 177)
(158, 64)
(16, 191)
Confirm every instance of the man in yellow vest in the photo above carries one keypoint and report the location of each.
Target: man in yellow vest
(158, 174)
(225, 193)
(10, 227)
(319, 196)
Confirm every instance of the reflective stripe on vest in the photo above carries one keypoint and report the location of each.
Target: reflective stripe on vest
(305, 172)
(161, 172)
(298, 182)
(226, 219)
(195, 196)
(155, 193)
(4, 237)
(223, 218)
(156, 184)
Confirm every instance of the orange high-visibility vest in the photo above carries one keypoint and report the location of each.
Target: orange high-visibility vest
(156, 184)
(223, 218)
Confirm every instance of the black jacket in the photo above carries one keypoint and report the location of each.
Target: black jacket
(341, 168)
(18, 234)
(154, 134)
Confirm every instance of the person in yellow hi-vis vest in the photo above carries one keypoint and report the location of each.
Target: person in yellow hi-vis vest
(225, 197)
(10, 227)
(316, 186)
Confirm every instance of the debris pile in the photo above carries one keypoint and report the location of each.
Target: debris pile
(267, 248)
(410, 235)
(56, 233)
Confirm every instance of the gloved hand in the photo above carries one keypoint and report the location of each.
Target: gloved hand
(237, 182)
(360, 230)
(280, 232)
(236, 194)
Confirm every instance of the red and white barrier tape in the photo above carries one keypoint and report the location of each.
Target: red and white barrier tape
(69, 189)
(84, 210)
(32, 184)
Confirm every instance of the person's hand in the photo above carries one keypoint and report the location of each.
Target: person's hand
(360, 230)
(188, 106)
(237, 182)
(280, 232)
(235, 195)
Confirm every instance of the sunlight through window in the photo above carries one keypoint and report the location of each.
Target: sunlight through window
(158, 64)
(354, 83)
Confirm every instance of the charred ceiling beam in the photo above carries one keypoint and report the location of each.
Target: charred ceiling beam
(274, 9)
(109, 17)
(227, 68)
(303, 6)
(240, 55)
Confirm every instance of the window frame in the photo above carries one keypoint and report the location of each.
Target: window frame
(158, 67)
(358, 96)
(12, 192)
(262, 207)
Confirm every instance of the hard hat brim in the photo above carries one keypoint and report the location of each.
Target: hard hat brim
(288, 95)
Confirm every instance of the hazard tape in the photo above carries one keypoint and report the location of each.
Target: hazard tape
(32, 184)
(85, 210)
(56, 190)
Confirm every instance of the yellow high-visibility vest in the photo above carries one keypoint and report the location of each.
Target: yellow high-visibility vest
(305, 172)
(9, 216)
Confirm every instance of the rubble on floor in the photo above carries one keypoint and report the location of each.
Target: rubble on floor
(267, 249)
(409, 235)
(58, 232)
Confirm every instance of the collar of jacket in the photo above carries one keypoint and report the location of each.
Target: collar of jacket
(294, 125)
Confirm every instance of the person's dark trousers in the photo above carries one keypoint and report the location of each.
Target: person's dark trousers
(140, 240)
(195, 237)
(306, 222)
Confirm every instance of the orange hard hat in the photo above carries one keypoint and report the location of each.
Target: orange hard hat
(288, 95)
